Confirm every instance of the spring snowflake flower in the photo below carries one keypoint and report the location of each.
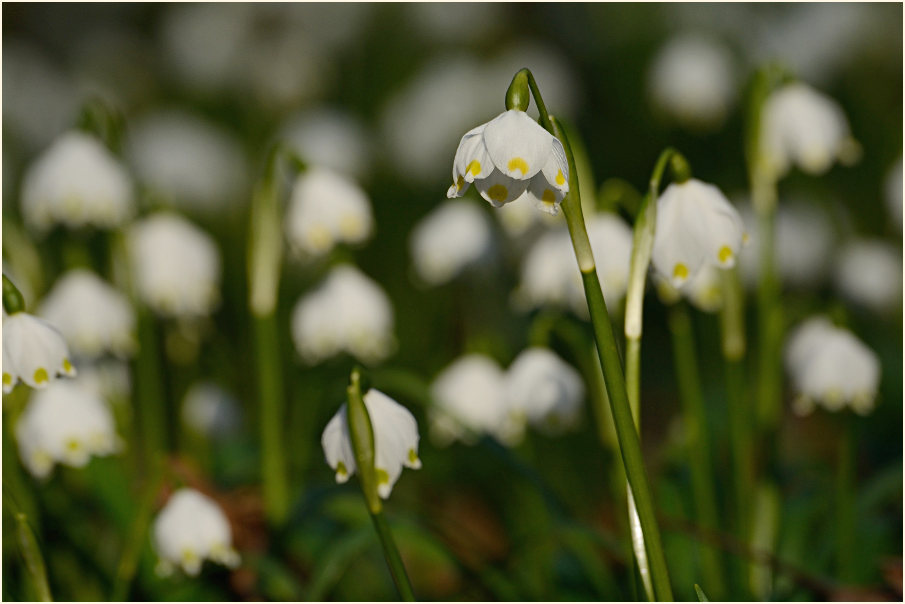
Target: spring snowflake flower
(454, 236)
(93, 317)
(77, 182)
(703, 291)
(470, 399)
(831, 367)
(176, 266)
(893, 193)
(210, 410)
(696, 224)
(327, 208)
(509, 156)
(547, 389)
(395, 441)
(33, 352)
(191, 528)
(64, 423)
(803, 127)
(869, 273)
(346, 312)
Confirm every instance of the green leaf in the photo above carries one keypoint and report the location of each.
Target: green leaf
(701, 596)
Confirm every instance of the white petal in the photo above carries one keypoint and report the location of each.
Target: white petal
(337, 446)
(556, 168)
(518, 146)
(499, 189)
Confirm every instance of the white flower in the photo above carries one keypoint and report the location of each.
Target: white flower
(332, 139)
(346, 312)
(176, 266)
(395, 441)
(703, 291)
(509, 156)
(93, 316)
(893, 192)
(33, 351)
(831, 367)
(193, 163)
(325, 209)
(611, 241)
(696, 225)
(692, 80)
(803, 127)
(469, 399)
(869, 273)
(108, 378)
(454, 236)
(77, 182)
(520, 216)
(67, 424)
(547, 389)
(210, 410)
(189, 529)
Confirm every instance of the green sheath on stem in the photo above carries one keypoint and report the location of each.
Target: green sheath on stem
(13, 301)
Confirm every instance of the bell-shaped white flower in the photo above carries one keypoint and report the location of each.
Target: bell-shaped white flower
(93, 316)
(330, 138)
(831, 367)
(470, 399)
(893, 193)
(454, 236)
(346, 312)
(34, 352)
(327, 208)
(696, 224)
(176, 266)
(803, 127)
(190, 528)
(210, 410)
(77, 182)
(869, 273)
(691, 79)
(545, 388)
(395, 441)
(64, 423)
(509, 156)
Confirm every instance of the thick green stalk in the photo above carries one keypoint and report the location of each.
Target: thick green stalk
(697, 441)
(770, 332)
(270, 396)
(35, 569)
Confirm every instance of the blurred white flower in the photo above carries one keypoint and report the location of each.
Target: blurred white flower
(703, 291)
(282, 69)
(210, 410)
(452, 237)
(175, 264)
(696, 225)
(803, 127)
(189, 529)
(332, 139)
(469, 399)
(454, 21)
(831, 367)
(93, 316)
(33, 351)
(521, 215)
(67, 424)
(509, 156)
(108, 378)
(193, 163)
(395, 441)
(692, 80)
(77, 182)
(327, 208)
(893, 192)
(611, 241)
(346, 312)
(869, 273)
(545, 388)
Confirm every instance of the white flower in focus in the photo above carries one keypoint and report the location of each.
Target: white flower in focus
(395, 441)
(190, 161)
(176, 266)
(346, 312)
(869, 273)
(64, 423)
(803, 127)
(33, 351)
(93, 317)
(696, 225)
(692, 80)
(470, 399)
(893, 191)
(210, 410)
(831, 367)
(509, 156)
(325, 209)
(454, 236)
(547, 389)
(76, 182)
(331, 138)
(189, 529)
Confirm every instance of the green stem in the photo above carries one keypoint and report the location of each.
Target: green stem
(270, 395)
(149, 389)
(697, 441)
(845, 489)
(31, 553)
(128, 562)
(394, 560)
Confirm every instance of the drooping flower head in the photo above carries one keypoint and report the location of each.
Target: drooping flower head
(696, 224)
(209, 410)
(448, 240)
(869, 273)
(34, 352)
(189, 529)
(395, 441)
(703, 291)
(548, 390)
(509, 156)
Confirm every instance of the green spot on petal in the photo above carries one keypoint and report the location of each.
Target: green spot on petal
(341, 469)
(7, 379)
(413, 457)
(382, 477)
(41, 375)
